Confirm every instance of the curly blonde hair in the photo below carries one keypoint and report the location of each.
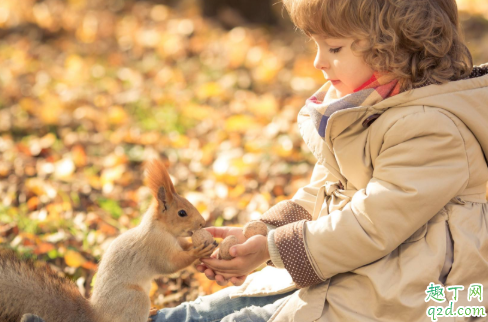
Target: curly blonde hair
(419, 41)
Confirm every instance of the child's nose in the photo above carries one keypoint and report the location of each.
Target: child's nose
(320, 62)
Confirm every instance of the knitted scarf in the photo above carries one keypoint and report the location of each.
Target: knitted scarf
(324, 102)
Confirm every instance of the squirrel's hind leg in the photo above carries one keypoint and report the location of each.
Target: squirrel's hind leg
(152, 312)
(131, 305)
(138, 311)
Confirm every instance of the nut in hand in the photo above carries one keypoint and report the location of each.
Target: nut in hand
(255, 228)
(225, 246)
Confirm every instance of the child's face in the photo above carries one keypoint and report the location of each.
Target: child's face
(340, 64)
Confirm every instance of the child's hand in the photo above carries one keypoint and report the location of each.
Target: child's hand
(210, 274)
(222, 232)
(248, 256)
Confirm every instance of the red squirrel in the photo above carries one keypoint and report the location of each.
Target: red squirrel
(155, 247)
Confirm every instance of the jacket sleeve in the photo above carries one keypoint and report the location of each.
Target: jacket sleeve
(300, 207)
(421, 166)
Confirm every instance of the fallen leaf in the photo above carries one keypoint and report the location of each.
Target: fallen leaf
(74, 259)
(43, 248)
(240, 123)
(33, 203)
(90, 266)
(79, 156)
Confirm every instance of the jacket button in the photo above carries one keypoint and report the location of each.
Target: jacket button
(370, 119)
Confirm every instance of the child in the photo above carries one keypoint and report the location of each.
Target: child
(395, 219)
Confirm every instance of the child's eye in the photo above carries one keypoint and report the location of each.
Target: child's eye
(335, 50)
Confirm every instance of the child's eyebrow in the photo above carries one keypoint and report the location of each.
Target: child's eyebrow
(335, 42)
(328, 44)
(327, 40)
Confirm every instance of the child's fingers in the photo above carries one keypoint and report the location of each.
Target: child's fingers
(215, 254)
(200, 268)
(220, 276)
(252, 245)
(218, 264)
(221, 280)
(243, 249)
(210, 274)
(238, 281)
(218, 232)
(231, 270)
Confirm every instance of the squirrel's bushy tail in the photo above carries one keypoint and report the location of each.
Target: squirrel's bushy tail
(27, 287)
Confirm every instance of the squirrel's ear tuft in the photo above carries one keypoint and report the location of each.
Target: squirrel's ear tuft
(162, 197)
(159, 182)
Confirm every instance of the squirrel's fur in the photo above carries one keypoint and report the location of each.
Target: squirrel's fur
(155, 247)
(27, 287)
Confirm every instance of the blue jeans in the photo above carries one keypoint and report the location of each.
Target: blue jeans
(219, 307)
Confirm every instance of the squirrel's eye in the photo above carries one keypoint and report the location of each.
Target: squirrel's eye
(182, 213)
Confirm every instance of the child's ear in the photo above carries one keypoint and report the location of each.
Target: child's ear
(159, 182)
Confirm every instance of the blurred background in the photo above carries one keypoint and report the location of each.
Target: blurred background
(90, 89)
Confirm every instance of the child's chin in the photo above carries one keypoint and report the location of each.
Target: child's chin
(339, 93)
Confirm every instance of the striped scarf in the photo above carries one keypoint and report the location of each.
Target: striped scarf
(323, 103)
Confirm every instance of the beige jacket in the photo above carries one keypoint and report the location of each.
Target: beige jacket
(395, 205)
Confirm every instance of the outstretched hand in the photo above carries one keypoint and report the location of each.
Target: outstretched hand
(249, 254)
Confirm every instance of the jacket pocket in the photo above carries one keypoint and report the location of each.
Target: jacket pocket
(418, 235)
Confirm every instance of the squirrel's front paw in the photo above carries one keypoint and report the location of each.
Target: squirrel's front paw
(203, 251)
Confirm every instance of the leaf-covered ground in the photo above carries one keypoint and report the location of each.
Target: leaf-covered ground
(88, 91)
